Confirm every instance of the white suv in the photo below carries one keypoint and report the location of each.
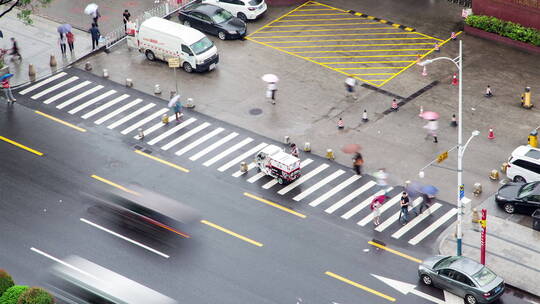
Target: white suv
(243, 9)
(524, 165)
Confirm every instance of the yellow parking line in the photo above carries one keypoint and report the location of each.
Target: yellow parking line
(262, 200)
(403, 255)
(357, 285)
(367, 56)
(427, 36)
(110, 183)
(333, 30)
(326, 35)
(361, 51)
(370, 68)
(61, 121)
(335, 40)
(349, 45)
(21, 146)
(322, 24)
(317, 9)
(375, 74)
(162, 161)
(305, 15)
(276, 20)
(377, 79)
(327, 19)
(321, 4)
(243, 238)
(368, 62)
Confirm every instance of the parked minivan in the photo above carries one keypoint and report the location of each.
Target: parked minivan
(524, 165)
(162, 39)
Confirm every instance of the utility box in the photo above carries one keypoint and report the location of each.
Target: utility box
(536, 220)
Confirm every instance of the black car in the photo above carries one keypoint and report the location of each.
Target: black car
(519, 197)
(214, 20)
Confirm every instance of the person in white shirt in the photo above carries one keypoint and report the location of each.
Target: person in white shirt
(271, 91)
(350, 87)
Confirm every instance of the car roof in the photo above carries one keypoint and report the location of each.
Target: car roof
(189, 34)
(205, 8)
(527, 152)
(465, 265)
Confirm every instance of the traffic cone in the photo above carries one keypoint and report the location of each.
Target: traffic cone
(340, 123)
(491, 134)
(421, 111)
(395, 106)
(418, 58)
(453, 36)
(424, 71)
(437, 47)
(364, 116)
(455, 81)
(454, 121)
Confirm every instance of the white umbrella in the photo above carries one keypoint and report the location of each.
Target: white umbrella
(91, 8)
(173, 100)
(270, 78)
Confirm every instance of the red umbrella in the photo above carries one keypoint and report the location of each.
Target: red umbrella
(428, 115)
(350, 148)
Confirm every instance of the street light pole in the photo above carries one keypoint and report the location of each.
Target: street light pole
(459, 235)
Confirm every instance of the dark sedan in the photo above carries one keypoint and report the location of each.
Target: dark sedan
(213, 20)
(519, 197)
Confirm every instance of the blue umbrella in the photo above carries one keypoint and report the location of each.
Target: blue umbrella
(429, 190)
(414, 189)
(64, 28)
(8, 75)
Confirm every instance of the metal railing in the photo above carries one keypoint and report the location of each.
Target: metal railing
(464, 3)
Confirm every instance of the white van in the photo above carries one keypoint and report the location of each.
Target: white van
(162, 39)
(524, 165)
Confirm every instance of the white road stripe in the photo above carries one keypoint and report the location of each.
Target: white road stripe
(363, 204)
(415, 221)
(42, 83)
(350, 197)
(422, 235)
(185, 136)
(242, 157)
(54, 87)
(155, 127)
(199, 141)
(389, 221)
(66, 92)
(334, 190)
(213, 146)
(124, 238)
(104, 106)
(271, 183)
(387, 205)
(144, 120)
(118, 111)
(318, 185)
(57, 260)
(303, 178)
(239, 173)
(130, 116)
(230, 150)
(168, 132)
(78, 97)
(91, 102)
(259, 175)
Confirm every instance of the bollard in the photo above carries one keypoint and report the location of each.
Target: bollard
(31, 71)
(494, 175)
(526, 98)
(364, 116)
(475, 220)
(330, 154)
(286, 140)
(88, 66)
(105, 73)
(504, 167)
(52, 61)
(307, 147)
(141, 133)
(129, 82)
(533, 139)
(243, 167)
(157, 89)
(190, 103)
(165, 119)
(477, 189)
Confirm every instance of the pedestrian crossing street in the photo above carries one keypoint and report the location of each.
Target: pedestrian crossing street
(323, 184)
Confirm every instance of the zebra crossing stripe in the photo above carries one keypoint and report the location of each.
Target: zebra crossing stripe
(350, 197)
(230, 150)
(54, 87)
(66, 92)
(415, 221)
(199, 141)
(144, 120)
(242, 157)
(154, 127)
(169, 132)
(389, 221)
(363, 204)
(118, 111)
(91, 102)
(42, 83)
(422, 235)
(104, 106)
(238, 173)
(130, 116)
(334, 190)
(213, 146)
(303, 178)
(256, 177)
(78, 97)
(318, 185)
(273, 182)
(186, 135)
(394, 200)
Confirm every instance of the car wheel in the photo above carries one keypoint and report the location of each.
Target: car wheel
(426, 280)
(280, 181)
(242, 16)
(186, 23)
(519, 179)
(221, 35)
(187, 67)
(470, 299)
(150, 55)
(509, 208)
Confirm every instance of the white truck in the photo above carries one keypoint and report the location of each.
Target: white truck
(162, 39)
(273, 161)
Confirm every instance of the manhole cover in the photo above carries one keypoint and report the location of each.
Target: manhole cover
(255, 111)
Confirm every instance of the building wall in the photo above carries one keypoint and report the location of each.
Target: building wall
(524, 12)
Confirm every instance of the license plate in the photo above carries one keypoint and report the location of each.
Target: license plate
(212, 66)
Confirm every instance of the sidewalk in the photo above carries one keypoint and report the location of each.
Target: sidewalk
(513, 249)
(37, 42)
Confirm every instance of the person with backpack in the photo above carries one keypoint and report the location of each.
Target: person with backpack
(70, 40)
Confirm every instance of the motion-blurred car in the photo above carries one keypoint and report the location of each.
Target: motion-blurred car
(243, 9)
(213, 20)
(463, 277)
(519, 197)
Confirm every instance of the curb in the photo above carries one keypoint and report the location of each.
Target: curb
(383, 21)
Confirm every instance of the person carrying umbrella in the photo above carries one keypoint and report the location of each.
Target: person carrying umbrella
(7, 88)
(70, 40)
(176, 105)
(375, 205)
(62, 41)
(271, 88)
(428, 192)
(432, 124)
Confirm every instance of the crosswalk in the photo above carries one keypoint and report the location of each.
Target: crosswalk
(323, 184)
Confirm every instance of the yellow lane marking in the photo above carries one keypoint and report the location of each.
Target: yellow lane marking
(243, 238)
(375, 74)
(403, 255)
(333, 30)
(276, 20)
(361, 51)
(377, 80)
(305, 15)
(335, 40)
(21, 146)
(366, 56)
(321, 4)
(368, 62)
(317, 9)
(61, 121)
(322, 24)
(369, 68)
(327, 19)
(427, 36)
(162, 161)
(347, 45)
(357, 285)
(337, 34)
(262, 200)
(110, 183)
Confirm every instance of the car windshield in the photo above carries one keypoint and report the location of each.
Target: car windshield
(484, 276)
(444, 263)
(255, 2)
(527, 189)
(221, 16)
(201, 46)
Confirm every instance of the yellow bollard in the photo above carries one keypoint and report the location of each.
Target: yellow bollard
(330, 154)
(533, 139)
(526, 98)
(504, 167)
(494, 175)
(165, 119)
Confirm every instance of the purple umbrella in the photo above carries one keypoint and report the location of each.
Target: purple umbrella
(64, 28)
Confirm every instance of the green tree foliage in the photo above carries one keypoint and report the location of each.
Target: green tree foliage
(25, 8)
(11, 296)
(36, 295)
(505, 28)
(6, 281)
